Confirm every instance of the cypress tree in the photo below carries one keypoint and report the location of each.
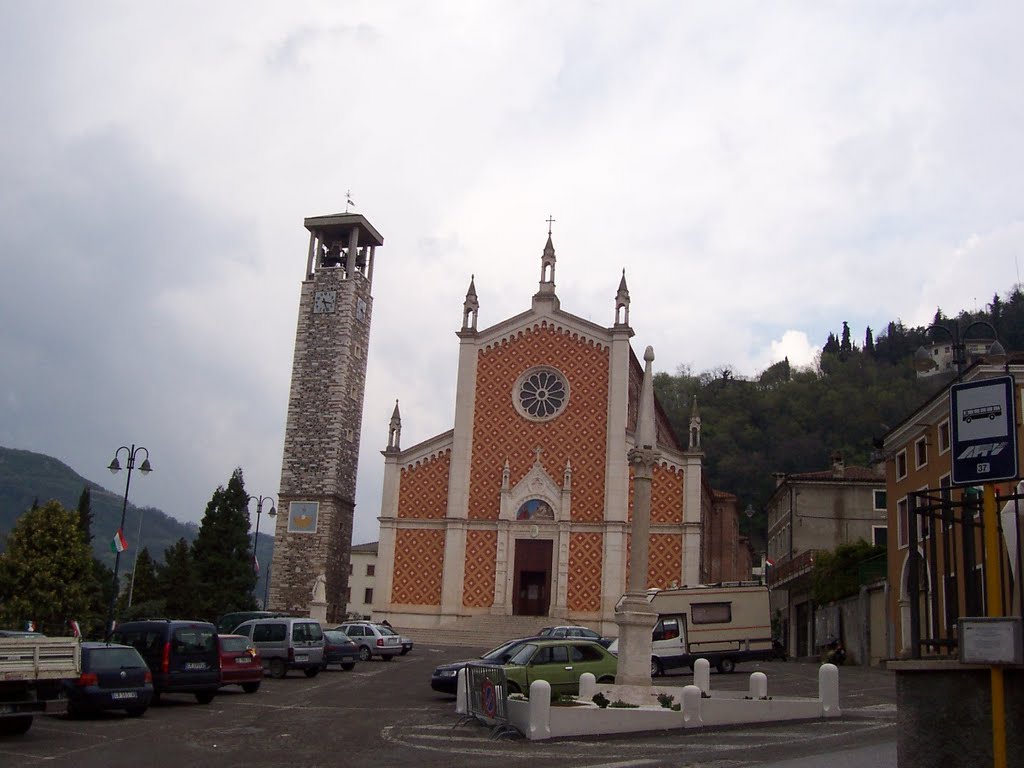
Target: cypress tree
(222, 551)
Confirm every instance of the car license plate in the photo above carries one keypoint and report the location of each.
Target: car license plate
(195, 665)
(123, 695)
(347, 659)
(302, 658)
(243, 659)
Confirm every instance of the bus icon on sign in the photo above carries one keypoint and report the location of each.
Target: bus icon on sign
(986, 412)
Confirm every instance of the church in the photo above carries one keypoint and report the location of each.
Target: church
(524, 506)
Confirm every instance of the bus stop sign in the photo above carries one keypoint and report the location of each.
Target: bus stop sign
(984, 431)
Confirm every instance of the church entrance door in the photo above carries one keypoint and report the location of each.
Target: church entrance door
(532, 586)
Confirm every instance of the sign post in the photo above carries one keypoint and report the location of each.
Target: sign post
(984, 442)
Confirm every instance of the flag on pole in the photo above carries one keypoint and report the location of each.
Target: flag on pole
(75, 629)
(769, 563)
(255, 563)
(120, 543)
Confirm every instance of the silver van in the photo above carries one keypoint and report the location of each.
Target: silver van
(286, 643)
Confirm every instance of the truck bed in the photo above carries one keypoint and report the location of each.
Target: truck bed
(39, 658)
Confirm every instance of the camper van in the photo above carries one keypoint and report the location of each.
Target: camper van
(724, 623)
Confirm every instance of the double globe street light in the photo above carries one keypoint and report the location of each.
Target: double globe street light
(924, 362)
(115, 466)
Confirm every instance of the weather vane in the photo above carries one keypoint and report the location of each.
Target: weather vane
(551, 220)
(348, 199)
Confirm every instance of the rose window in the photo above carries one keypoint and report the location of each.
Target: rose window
(541, 393)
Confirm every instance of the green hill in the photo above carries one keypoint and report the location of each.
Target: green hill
(27, 477)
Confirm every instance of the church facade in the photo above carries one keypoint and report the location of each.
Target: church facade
(523, 507)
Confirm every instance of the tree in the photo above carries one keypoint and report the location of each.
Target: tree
(845, 346)
(46, 570)
(222, 552)
(178, 584)
(85, 515)
(836, 575)
(869, 342)
(144, 581)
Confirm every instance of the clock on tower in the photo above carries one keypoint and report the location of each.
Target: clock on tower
(325, 406)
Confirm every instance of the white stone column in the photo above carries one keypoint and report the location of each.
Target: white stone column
(635, 616)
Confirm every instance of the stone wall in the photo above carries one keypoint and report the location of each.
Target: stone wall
(944, 714)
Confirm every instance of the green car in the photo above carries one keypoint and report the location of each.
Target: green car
(560, 662)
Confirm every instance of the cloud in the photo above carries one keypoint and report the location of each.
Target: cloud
(762, 173)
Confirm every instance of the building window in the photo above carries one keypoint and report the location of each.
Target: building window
(369, 570)
(350, 571)
(903, 536)
(879, 496)
(920, 452)
(368, 596)
(350, 435)
(540, 394)
(348, 595)
(943, 437)
(901, 465)
(880, 535)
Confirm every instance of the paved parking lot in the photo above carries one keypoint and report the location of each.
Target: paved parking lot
(385, 714)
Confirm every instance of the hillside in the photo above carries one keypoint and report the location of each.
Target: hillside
(26, 477)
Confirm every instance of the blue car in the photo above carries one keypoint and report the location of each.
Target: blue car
(113, 677)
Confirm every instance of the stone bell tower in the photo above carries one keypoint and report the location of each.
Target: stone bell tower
(325, 407)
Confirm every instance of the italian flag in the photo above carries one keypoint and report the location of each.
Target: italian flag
(120, 543)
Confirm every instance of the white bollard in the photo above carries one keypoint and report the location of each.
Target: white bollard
(540, 710)
(588, 686)
(702, 675)
(758, 685)
(460, 692)
(828, 690)
(691, 707)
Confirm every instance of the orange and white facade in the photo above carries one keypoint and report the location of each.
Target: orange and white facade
(523, 508)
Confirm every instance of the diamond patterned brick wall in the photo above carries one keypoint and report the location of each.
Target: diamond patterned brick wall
(423, 492)
(664, 560)
(478, 585)
(419, 564)
(577, 434)
(585, 563)
(666, 494)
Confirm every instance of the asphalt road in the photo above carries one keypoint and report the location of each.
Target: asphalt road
(385, 714)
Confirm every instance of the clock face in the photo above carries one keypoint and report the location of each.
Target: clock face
(324, 301)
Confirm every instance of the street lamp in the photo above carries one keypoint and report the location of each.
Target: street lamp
(259, 510)
(115, 466)
(996, 354)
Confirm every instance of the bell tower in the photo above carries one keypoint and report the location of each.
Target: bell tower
(325, 407)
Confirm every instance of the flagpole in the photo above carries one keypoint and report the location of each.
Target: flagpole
(115, 467)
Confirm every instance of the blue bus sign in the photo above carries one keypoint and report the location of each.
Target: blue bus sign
(984, 431)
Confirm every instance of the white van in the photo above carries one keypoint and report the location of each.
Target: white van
(724, 623)
(286, 643)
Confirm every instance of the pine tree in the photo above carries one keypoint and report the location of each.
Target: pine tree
(144, 583)
(178, 584)
(85, 515)
(869, 342)
(222, 551)
(845, 346)
(45, 572)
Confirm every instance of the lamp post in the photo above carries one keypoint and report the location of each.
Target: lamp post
(266, 587)
(996, 354)
(115, 466)
(259, 510)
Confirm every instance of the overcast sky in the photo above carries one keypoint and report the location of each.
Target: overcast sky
(762, 171)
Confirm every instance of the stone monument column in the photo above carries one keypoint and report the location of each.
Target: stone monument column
(634, 615)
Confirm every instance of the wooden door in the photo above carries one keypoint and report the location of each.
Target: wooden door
(532, 583)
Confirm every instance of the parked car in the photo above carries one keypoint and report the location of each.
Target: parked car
(286, 643)
(226, 624)
(339, 648)
(445, 678)
(573, 631)
(560, 662)
(372, 641)
(405, 641)
(113, 677)
(181, 655)
(240, 663)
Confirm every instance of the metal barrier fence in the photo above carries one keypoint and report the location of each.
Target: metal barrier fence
(946, 563)
(487, 694)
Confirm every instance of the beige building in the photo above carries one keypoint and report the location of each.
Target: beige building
(362, 580)
(810, 512)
